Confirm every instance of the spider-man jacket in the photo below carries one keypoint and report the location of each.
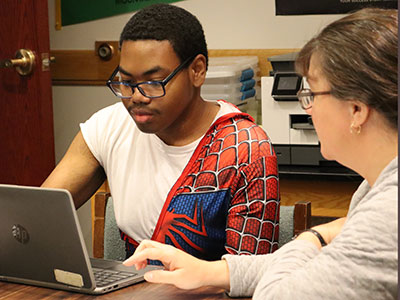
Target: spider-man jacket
(227, 198)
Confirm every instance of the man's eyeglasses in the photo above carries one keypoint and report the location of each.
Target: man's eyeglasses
(306, 97)
(149, 89)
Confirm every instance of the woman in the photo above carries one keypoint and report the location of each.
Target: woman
(351, 68)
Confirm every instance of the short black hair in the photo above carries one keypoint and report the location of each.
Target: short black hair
(167, 22)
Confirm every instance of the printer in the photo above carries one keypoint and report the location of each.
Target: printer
(289, 127)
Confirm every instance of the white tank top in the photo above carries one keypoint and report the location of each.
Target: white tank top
(140, 167)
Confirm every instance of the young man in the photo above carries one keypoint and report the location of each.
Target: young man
(196, 174)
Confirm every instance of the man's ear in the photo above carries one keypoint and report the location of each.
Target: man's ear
(359, 111)
(197, 70)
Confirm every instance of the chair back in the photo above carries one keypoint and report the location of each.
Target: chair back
(293, 219)
(114, 246)
(106, 241)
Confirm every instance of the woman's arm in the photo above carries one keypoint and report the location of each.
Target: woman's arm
(240, 278)
(328, 232)
(360, 263)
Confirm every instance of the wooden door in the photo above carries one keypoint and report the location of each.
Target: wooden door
(26, 113)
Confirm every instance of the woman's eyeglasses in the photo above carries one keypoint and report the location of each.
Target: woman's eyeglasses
(306, 97)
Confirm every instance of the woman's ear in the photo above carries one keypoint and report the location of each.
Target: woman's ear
(197, 70)
(359, 111)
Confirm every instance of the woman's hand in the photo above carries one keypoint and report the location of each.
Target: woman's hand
(181, 269)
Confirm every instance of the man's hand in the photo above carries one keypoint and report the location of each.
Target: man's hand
(181, 269)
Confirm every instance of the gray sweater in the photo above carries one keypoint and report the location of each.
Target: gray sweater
(360, 263)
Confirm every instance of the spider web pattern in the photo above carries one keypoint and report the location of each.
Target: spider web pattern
(227, 199)
(238, 155)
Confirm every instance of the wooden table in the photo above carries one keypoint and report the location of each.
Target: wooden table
(140, 291)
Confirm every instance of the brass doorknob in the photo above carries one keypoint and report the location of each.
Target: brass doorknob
(23, 62)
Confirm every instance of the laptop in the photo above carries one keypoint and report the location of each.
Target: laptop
(41, 244)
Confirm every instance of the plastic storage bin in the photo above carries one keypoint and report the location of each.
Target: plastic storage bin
(232, 78)
(231, 69)
(235, 97)
(229, 88)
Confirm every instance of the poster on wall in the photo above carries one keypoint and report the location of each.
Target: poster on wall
(78, 11)
(308, 7)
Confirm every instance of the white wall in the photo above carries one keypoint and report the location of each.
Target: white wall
(228, 24)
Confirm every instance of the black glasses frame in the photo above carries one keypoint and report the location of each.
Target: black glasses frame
(306, 97)
(162, 83)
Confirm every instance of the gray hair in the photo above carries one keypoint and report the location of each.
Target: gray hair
(359, 59)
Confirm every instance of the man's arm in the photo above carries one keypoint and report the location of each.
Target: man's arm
(79, 172)
(252, 217)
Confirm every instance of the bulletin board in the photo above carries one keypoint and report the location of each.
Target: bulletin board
(70, 12)
(307, 7)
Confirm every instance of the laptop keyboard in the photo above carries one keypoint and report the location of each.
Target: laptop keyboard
(105, 277)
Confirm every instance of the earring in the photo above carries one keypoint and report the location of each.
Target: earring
(355, 129)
